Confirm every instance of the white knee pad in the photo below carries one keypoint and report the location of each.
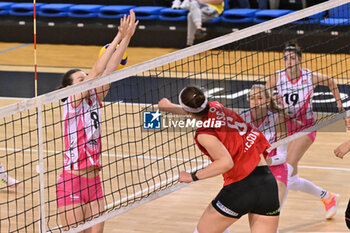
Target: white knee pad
(290, 169)
(293, 182)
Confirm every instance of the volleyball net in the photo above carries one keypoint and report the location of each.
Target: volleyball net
(144, 150)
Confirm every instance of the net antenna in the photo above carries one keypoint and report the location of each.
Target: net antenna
(140, 164)
(40, 166)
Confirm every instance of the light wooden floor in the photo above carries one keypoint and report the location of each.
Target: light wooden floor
(179, 211)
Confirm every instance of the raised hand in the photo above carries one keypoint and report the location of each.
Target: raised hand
(132, 24)
(122, 29)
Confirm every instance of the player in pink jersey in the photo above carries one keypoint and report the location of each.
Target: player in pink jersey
(295, 86)
(238, 152)
(79, 189)
(267, 118)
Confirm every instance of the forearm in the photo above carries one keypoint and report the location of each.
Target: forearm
(216, 168)
(101, 63)
(172, 108)
(117, 56)
(335, 90)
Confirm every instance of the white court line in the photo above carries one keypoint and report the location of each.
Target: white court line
(163, 157)
(324, 168)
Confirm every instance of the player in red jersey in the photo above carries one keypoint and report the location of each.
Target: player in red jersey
(238, 152)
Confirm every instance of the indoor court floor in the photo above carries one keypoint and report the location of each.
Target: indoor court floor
(179, 211)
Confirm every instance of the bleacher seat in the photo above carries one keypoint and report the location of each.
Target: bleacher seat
(24, 9)
(54, 10)
(114, 11)
(265, 15)
(84, 11)
(338, 16)
(312, 19)
(169, 14)
(239, 15)
(148, 12)
(5, 7)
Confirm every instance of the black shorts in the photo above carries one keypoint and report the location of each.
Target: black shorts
(347, 215)
(257, 193)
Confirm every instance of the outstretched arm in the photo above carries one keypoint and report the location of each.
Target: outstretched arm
(126, 30)
(324, 80)
(166, 105)
(101, 62)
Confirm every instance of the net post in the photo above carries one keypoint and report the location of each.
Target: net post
(39, 104)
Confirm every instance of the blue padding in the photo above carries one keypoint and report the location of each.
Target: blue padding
(24, 9)
(114, 11)
(169, 14)
(265, 15)
(5, 7)
(335, 21)
(342, 11)
(312, 19)
(54, 10)
(84, 11)
(239, 15)
(148, 12)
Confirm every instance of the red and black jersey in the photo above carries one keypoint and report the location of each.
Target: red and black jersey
(242, 141)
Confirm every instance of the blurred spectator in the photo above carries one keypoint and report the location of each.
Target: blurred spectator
(274, 4)
(201, 11)
(177, 4)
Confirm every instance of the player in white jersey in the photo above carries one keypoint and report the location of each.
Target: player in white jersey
(295, 86)
(265, 117)
(79, 189)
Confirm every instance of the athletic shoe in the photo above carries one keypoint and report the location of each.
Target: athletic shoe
(199, 34)
(4, 178)
(185, 5)
(331, 206)
(176, 4)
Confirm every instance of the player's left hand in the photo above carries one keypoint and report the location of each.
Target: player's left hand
(185, 177)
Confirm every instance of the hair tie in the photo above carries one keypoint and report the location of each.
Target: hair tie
(290, 47)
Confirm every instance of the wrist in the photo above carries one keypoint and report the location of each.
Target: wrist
(194, 176)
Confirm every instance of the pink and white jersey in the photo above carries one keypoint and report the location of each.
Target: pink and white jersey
(266, 126)
(297, 96)
(82, 133)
